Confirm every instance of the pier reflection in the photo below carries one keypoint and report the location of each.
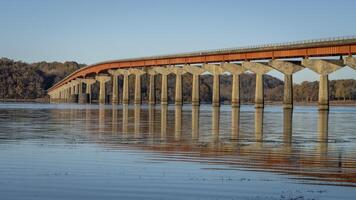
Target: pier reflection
(259, 124)
(287, 128)
(195, 123)
(170, 134)
(235, 122)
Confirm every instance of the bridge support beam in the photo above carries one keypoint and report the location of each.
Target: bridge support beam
(216, 71)
(151, 90)
(164, 88)
(323, 68)
(288, 69)
(138, 73)
(259, 69)
(102, 79)
(351, 62)
(196, 72)
(235, 70)
(178, 88)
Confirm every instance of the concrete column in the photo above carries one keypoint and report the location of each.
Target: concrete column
(138, 73)
(235, 70)
(288, 69)
(288, 91)
(67, 93)
(137, 89)
(351, 62)
(178, 71)
(125, 90)
(259, 69)
(178, 90)
(196, 72)
(259, 91)
(323, 92)
(115, 89)
(235, 94)
(216, 71)
(216, 90)
(151, 89)
(102, 79)
(80, 87)
(195, 90)
(164, 88)
(323, 68)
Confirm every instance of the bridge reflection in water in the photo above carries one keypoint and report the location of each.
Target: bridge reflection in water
(257, 139)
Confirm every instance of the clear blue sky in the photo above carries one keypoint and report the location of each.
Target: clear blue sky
(89, 31)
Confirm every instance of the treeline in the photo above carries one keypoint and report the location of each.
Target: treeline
(19, 80)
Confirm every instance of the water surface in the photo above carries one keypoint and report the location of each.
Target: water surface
(66, 151)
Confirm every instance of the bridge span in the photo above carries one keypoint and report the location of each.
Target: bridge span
(287, 58)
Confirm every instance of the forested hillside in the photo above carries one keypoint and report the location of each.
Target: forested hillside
(19, 80)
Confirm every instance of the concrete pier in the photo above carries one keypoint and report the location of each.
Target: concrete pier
(88, 82)
(102, 79)
(74, 91)
(125, 89)
(323, 68)
(151, 88)
(259, 69)
(235, 70)
(178, 88)
(196, 72)
(216, 71)
(164, 87)
(138, 73)
(115, 86)
(288, 69)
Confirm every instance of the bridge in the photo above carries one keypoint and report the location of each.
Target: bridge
(323, 56)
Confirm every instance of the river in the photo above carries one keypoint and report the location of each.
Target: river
(70, 151)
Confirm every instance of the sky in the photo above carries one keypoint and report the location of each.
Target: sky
(90, 31)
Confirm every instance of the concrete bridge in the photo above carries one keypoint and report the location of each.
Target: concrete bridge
(287, 58)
